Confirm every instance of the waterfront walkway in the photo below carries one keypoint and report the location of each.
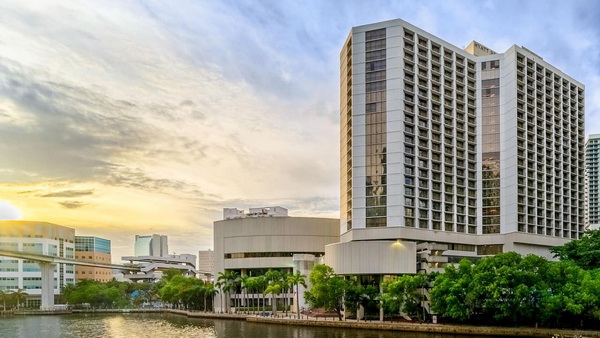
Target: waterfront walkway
(497, 331)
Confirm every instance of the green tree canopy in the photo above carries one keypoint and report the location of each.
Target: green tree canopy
(585, 252)
(327, 289)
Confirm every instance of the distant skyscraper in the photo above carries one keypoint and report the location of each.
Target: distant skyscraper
(206, 263)
(151, 245)
(592, 165)
(453, 152)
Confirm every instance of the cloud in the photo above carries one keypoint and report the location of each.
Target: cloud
(72, 204)
(69, 193)
(212, 104)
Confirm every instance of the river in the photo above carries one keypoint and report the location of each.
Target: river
(170, 325)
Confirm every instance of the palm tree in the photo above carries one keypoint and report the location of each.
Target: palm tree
(261, 284)
(3, 296)
(285, 286)
(251, 287)
(210, 291)
(243, 279)
(296, 280)
(227, 279)
(19, 295)
(274, 289)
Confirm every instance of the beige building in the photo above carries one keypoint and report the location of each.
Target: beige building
(95, 250)
(206, 264)
(267, 238)
(37, 238)
(449, 153)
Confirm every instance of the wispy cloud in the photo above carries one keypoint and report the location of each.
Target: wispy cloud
(72, 204)
(167, 113)
(69, 193)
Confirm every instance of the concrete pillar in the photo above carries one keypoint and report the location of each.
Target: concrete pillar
(47, 285)
(303, 263)
(381, 302)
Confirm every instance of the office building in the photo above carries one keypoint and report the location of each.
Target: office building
(206, 264)
(94, 250)
(450, 153)
(251, 243)
(151, 245)
(35, 238)
(592, 164)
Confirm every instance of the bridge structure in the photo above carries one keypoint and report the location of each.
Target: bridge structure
(48, 265)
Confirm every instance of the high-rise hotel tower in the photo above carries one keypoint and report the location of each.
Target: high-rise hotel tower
(447, 153)
(592, 167)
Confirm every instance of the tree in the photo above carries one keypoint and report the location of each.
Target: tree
(509, 289)
(273, 287)
(210, 292)
(327, 289)
(243, 280)
(227, 284)
(285, 288)
(261, 284)
(585, 252)
(296, 280)
(252, 287)
(3, 297)
(19, 296)
(404, 294)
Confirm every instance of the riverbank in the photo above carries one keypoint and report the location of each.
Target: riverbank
(406, 327)
(434, 328)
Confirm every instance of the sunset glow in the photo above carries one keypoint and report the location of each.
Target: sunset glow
(127, 118)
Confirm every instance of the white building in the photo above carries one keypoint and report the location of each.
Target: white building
(151, 245)
(37, 238)
(266, 238)
(152, 267)
(447, 153)
(592, 166)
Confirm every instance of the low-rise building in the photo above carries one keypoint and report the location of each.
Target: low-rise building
(267, 238)
(94, 250)
(40, 238)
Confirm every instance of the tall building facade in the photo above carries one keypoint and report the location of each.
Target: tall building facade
(95, 250)
(592, 166)
(453, 152)
(37, 238)
(151, 245)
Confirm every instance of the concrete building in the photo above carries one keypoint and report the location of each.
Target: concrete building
(95, 250)
(152, 267)
(206, 264)
(37, 238)
(151, 245)
(592, 181)
(267, 238)
(448, 153)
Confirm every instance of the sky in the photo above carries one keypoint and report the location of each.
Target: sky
(120, 118)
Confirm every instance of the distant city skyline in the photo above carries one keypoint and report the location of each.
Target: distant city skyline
(123, 118)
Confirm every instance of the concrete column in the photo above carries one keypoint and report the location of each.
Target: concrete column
(47, 285)
(381, 302)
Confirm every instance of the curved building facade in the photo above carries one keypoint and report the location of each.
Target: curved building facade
(266, 238)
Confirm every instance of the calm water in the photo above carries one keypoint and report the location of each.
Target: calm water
(167, 325)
